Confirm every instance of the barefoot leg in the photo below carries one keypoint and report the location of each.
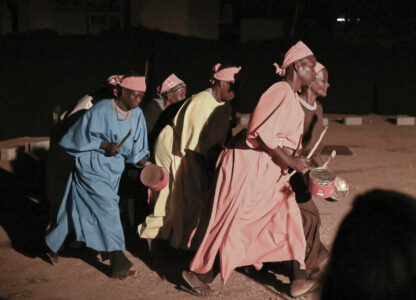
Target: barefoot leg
(198, 286)
(53, 257)
(149, 244)
(301, 287)
(120, 265)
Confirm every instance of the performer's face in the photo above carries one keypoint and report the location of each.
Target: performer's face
(226, 93)
(177, 95)
(306, 69)
(181, 93)
(130, 98)
(320, 85)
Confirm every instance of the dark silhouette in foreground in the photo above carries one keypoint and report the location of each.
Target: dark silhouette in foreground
(374, 252)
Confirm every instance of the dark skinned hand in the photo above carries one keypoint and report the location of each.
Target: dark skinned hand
(111, 149)
(300, 164)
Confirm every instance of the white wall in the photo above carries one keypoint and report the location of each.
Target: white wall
(165, 15)
(197, 18)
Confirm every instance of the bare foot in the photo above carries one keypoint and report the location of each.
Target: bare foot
(207, 277)
(154, 248)
(301, 287)
(198, 286)
(53, 257)
(149, 244)
(120, 265)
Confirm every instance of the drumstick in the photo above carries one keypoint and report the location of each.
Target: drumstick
(314, 148)
(124, 139)
(333, 153)
(317, 142)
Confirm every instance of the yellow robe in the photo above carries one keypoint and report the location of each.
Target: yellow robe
(182, 149)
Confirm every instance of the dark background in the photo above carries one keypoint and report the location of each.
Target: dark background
(370, 59)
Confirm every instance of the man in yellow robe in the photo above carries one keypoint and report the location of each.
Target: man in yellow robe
(187, 150)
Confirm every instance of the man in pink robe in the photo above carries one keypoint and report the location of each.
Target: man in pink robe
(254, 217)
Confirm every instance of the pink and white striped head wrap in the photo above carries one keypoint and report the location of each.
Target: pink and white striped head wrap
(114, 79)
(226, 74)
(295, 53)
(169, 84)
(319, 67)
(134, 83)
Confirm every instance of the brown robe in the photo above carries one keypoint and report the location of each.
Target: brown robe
(316, 252)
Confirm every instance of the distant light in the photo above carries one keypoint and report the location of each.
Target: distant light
(340, 19)
(358, 19)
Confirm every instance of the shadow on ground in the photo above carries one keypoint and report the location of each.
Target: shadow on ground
(24, 215)
(267, 279)
(24, 210)
(167, 262)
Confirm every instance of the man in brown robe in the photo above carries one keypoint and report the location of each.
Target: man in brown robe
(316, 252)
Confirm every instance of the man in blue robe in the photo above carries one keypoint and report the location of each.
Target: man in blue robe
(110, 134)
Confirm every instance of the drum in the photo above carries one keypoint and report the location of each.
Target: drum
(156, 179)
(151, 175)
(321, 182)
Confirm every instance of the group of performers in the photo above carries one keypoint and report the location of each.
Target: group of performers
(230, 199)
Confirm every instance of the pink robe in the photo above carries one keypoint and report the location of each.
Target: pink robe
(255, 217)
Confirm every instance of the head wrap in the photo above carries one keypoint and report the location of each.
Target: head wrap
(226, 74)
(114, 79)
(171, 84)
(295, 53)
(319, 67)
(134, 83)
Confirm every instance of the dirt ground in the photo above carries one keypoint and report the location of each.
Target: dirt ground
(383, 157)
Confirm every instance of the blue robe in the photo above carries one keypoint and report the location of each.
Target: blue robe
(90, 203)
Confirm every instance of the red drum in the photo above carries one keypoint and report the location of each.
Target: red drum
(156, 179)
(322, 182)
(153, 175)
